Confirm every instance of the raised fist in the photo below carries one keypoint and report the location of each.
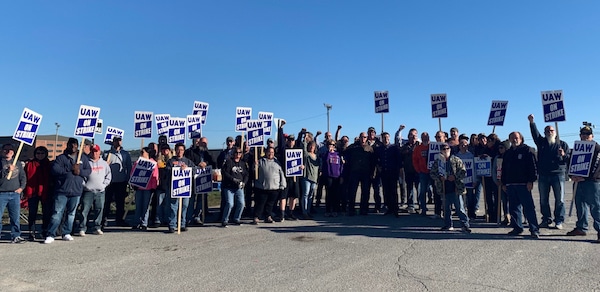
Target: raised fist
(530, 118)
(339, 127)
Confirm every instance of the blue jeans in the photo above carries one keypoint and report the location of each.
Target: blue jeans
(11, 200)
(233, 198)
(478, 187)
(173, 213)
(89, 199)
(308, 191)
(424, 183)
(518, 195)
(459, 205)
(557, 182)
(412, 187)
(142, 204)
(163, 208)
(195, 206)
(63, 204)
(587, 194)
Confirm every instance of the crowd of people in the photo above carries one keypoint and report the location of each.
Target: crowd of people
(76, 190)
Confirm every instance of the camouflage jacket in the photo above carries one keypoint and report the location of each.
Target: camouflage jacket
(457, 168)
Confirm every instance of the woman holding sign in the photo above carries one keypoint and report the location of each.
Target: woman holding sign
(144, 194)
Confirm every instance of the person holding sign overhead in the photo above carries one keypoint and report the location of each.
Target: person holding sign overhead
(10, 191)
(552, 162)
(518, 176)
(587, 193)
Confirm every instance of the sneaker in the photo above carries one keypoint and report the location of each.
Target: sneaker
(183, 229)
(576, 232)
(81, 233)
(544, 224)
(49, 240)
(98, 232)
(255, 221)
(515, 232)
(293, 217)
(466, 229)
(535, 235)
(18, 239)
(411, 210)
(236, 223)
(171, 230)
(224, 224)
(68, 237)
(269, 220)
(447, 228)
(559, 226)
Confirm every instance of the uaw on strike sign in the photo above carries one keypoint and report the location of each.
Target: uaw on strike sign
(581, 158)
(27, 128)
(554, 107)
(181, 182)
(86, 121)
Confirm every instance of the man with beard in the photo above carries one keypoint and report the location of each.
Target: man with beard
(552, 161)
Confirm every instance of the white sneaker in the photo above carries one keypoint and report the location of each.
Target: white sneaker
(68, 237)
(411, 210)
(559, 226)
(82, 233)
(49, 240)
(98, 232)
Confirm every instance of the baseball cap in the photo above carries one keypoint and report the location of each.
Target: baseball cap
(371, 129)
(585, 131)
(8, 146)
(95, 148)
(270, 140)
(291, 137)
(165, 146)
(229, 139)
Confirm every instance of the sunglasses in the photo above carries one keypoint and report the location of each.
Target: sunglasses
(238, 152)
(445, 148)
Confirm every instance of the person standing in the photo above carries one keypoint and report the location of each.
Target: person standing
(587, 193)
(120, 164)
(270, 181)
(411, 177)
(38, 191)
(360, 159)
(143, 195)
(235, 175)
(94, 192)
(10, 191)
(448, 173)
(552, 163)
(375, 181)
(177, 161)
(389, 166)
(419, 158)
(332, 166)
(69, 175)
(518, 176)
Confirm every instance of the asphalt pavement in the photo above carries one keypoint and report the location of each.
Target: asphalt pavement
(359, 253)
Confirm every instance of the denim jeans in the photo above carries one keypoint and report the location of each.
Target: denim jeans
(587, 195)
(142, 204)
(234, 197)
(63, 204)
(412, 188)
(424, 183)
(376, 184)
(518, 195)
(557, 183)
(459, 205)
(89, 199)
(195, 206)
(163, 208)
(11, 200)
(174, 209)
(308, 191)
(478, 188)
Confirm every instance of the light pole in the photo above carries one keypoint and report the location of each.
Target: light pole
(328, 107)
(56, 139)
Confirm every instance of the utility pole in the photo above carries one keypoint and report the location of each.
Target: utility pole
(56, 139)
(328, 106)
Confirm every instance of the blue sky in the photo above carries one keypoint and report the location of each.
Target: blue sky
(290, 57)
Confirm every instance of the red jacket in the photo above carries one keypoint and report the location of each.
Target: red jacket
(419, 158)
(38, 179)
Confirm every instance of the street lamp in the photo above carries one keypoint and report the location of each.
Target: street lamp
(328, 106)
(56, 139)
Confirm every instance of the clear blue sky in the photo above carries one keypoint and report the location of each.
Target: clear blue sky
(290, 57)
